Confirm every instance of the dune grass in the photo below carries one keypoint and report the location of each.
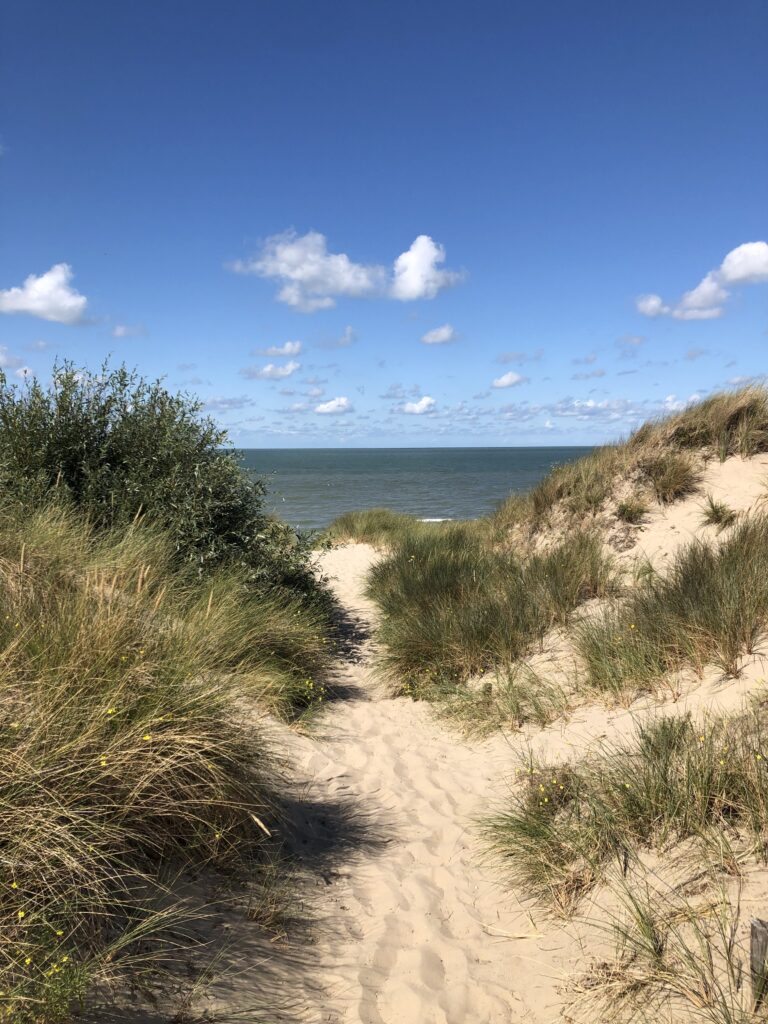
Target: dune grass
(678, 958)
(452, 606)
(511, 698)
(709, 606)
(674, 780)
(632, 510)
(376, 526)
(125, 749)
(717, 513)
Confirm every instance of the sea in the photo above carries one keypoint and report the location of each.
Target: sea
(310, 487)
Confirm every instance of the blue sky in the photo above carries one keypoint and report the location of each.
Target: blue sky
(449, 223)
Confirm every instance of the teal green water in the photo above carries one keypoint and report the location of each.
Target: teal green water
(309, 487)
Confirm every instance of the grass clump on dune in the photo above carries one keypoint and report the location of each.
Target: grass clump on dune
(728, 423)
(676, 780)
(514, 696)
(453, 606)
(632, 510)
(376, 526)
(673, 475)
(126, 753)
(710, 606)
(678, 958)
(717, 513)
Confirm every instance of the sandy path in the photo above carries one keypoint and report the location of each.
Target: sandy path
(416, 923)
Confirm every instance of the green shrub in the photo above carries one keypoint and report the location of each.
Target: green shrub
(730, 423)
(117, 447)
(516, 695)
(570, 573)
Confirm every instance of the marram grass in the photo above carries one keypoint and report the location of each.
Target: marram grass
(125, 752)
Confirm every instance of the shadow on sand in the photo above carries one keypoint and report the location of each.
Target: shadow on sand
(233, 968)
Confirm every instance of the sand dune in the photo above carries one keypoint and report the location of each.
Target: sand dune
(410, 921)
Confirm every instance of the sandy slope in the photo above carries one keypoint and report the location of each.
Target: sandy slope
(421, 927)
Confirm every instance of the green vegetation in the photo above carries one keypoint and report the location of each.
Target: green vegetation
(378, 526)
(710, 606)
(118, 447)
(460, 599)
(673, 475)
(513, 697)
(675, 780)
(717, 513)
(454, 606)
(632, 510)
(146, 603)
(678, 958)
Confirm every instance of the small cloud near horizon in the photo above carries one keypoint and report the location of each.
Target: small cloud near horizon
(509, 380)
(335, 406)
(271, 371)
(424, 404)
(520, 358)
(129, 331)
(289, 348)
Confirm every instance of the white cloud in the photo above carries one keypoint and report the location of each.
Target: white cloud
(334, 406)
(509, 380)
(23, 372)
(746, 264)
(48, 296)
(416, 274)
(439, 335)
(129, 331)
(424, 404)
(312, 278)
(290, 348)
(271, 371)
